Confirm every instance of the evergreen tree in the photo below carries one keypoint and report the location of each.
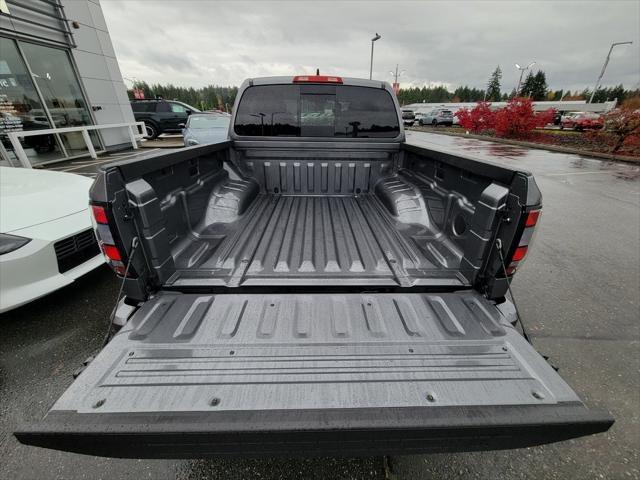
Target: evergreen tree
(527, 86)
(493, 87)
(539, 86)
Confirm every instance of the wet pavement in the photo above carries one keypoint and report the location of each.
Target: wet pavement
(578, 293)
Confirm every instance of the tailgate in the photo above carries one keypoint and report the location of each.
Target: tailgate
(193, 375)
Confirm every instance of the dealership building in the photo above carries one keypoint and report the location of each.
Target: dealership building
(59, 74)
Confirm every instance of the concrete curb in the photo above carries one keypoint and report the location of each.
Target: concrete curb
(542, 146)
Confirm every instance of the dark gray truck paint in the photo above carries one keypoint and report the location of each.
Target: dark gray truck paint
(313, 295)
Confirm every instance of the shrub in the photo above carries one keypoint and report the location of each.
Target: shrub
(624, 124)
(518, 119)
(545, 117)
(478, 119)
(632, 102)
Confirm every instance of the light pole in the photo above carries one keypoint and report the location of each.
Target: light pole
(522, 69)
(604, 67)
(377, 37)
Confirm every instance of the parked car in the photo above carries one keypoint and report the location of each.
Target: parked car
(161, 116)
(438, 116)
(324, 288)
(582, 121)
(419, 115)
(46, 238)
(408, 117)
(202, 128)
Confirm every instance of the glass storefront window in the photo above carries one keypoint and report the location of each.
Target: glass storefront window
(39, 90)
(21, 108)
(60, 89)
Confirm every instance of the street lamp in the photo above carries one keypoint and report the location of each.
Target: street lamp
(522, 69)
(604, 67)
(377, 37)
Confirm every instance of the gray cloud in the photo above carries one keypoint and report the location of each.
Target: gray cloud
(195, 43)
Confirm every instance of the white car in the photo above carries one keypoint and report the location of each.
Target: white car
(46, 236)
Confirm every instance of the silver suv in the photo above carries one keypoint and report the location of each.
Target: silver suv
(438, 116)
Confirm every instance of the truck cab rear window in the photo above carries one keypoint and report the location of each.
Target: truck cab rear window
(316, 111)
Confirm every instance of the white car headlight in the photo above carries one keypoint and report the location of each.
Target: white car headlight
(192, 141)
(9, 243)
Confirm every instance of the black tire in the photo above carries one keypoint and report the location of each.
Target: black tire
(434, 122)
(561, 127)
(151, 130)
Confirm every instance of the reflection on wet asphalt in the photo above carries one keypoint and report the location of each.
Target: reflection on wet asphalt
(578, 292)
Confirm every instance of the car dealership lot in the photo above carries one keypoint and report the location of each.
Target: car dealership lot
(584, 264)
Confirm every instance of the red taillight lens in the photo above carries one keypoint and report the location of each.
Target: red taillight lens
(316, 79)
(100, 214)
(111, 252)
(519, 254)
(532, 218)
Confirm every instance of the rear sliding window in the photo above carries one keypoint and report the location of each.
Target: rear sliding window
(316, 111)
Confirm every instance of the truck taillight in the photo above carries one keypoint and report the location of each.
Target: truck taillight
(532, 218)
(520, 253)
(529, 224)
(110, 243)
(100, 214)
(111, 252)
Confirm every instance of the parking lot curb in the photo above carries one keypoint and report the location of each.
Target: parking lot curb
(543, 146)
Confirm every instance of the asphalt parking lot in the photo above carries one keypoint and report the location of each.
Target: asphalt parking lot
(578, 293)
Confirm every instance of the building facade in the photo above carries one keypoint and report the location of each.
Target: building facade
(58, 69)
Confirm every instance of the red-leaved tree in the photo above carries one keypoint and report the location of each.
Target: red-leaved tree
(624, 124)
(478, 119)
(518, 120)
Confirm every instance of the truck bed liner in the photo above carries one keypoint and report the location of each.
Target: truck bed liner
(333, 240)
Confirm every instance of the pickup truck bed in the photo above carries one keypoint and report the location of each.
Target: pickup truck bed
(314, 217)
(316, 285)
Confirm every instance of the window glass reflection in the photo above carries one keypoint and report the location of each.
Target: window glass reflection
(21, 109)
(60, 89)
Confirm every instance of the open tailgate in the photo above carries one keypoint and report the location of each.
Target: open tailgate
(200, 375)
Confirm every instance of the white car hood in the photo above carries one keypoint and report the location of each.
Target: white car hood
(30, 197)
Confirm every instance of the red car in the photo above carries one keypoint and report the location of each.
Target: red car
(582, 121)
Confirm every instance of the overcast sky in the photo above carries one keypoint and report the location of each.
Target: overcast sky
(196, 43)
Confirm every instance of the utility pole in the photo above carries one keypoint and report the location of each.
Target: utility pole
(396, 74)
(377, 37)
(604, 67)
